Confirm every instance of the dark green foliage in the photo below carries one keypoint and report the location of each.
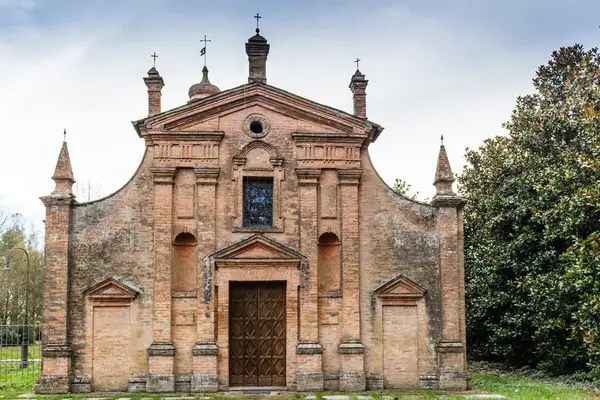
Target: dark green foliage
(532, 225)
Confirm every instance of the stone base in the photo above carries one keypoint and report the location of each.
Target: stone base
(374, 381)
(52, 384)
(331, 381)
(183, 383)
(309, 381)
(352, 381)
(429, 381)
(160, 383)
(454, 380)
(81, 384)
(204, 383)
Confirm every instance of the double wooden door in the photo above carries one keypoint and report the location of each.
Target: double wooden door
(257, 334)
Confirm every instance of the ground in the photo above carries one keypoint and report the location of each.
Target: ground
(512, 386)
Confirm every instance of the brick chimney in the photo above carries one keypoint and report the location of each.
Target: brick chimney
(358, 86)
(155, 84)
(257, 49)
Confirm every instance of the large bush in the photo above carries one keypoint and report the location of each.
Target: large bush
(532, 225)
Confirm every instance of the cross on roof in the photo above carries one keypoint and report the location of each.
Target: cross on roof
(203, 50)
(257, 16)
(154, 56)
(357, 61)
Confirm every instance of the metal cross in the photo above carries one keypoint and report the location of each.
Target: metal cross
(257, 16)
(154, 56)
(65, 135)
(357, 61)
(203, 51)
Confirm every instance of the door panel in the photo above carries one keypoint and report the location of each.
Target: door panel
(257, 334)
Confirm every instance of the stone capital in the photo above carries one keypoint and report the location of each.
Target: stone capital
(349, 176)
(205, 349)
(161, 349)
(58, 199)
(448, 201)
(57, 350)
(207, 175)
(309, 348)
(351, 348)
(308, 176)
(163, 175)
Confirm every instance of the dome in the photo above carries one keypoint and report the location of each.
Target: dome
(204, 88)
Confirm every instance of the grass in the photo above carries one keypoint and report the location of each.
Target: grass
(514, 385)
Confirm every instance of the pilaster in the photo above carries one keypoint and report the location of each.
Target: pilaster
(352, 374)
(310, 353)
(205, 352)
(162, 351)
(56, 349)
(451, 349)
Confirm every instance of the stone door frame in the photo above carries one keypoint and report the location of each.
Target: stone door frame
(256, 271)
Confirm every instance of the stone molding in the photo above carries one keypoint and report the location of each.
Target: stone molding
(450, 347)
(351, 348)
(163, 175)
(448, 201)
(56, 350)
(308, 176)
(349, 176)
(309, 348)
(161, 349)
(205, 349)
(207, 175)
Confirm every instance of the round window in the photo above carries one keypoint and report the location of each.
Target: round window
(256, 126)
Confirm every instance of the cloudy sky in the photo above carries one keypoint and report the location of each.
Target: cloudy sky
(452, 67)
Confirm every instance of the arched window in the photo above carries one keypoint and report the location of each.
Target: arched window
(184, 263)
(329, 263)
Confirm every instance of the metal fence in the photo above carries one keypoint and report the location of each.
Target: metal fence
(20, 355)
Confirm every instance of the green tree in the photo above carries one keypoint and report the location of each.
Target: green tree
(13, 281)
(403, 188)
(532, 225)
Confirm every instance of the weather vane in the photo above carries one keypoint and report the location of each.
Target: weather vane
(257, 16)
(357, 61)
(203, 51)
(154, 56)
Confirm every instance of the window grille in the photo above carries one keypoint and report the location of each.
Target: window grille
(258, 202)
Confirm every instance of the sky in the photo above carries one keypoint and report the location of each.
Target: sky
(451, 67)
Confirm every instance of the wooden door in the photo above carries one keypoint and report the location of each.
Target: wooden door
(257, 334)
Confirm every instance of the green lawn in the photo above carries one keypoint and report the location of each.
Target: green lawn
(527, 388)
(515, 387)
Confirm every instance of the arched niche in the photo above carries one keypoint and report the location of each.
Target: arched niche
(184, 263)
(329, 266)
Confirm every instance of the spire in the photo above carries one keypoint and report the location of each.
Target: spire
(444, 195)
(63, 173)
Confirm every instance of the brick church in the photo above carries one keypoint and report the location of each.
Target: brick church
(254, 247)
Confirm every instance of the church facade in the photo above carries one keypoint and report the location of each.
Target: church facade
(255, 247)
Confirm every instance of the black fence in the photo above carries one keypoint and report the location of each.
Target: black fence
(20, 355)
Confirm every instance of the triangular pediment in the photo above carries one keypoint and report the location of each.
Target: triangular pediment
(400, 285)
(258, 247)
(112, 289)
(200, 115)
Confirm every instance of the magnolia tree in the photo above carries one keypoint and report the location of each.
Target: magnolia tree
(532, 225)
